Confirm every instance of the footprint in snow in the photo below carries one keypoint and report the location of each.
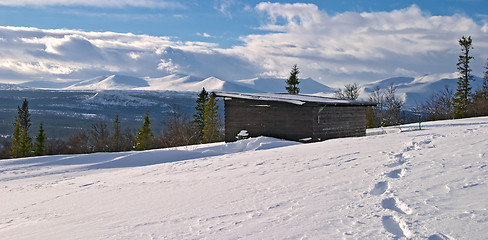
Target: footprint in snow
(399, 159)
(397, 173)
(379, 188)
(395, 226)
(396, 205)
(438, 236)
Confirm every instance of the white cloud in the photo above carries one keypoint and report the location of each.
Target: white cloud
(71, 45)
(28, 53)
(223, 6)
(206, 35)
(168, 66)
(34, 67)
(295, 16)
(335, 49)
(134, 55)
(95, 3)
(404, 72)
(359, 47)
(485, 28)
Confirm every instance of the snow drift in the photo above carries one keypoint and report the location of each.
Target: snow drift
(422, 184)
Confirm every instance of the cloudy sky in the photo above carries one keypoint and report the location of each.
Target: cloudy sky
(334, 42)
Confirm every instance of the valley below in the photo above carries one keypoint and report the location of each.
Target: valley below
(64, 112)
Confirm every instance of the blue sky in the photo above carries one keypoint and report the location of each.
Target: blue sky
(331, 41)
(224, 21)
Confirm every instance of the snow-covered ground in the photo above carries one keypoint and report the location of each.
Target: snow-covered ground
(421, 184)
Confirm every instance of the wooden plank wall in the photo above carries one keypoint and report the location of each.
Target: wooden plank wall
(339, 121)
(267, 118)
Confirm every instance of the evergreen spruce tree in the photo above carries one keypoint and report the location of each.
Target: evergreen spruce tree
(145, 137)
(484, 87)
(117, 136)
(23, 115)
(292, 82)
(15, 149)
(462, 98)
(25, 144)
(22, 143)
(40, 144)
(198, 117)
(211, 129)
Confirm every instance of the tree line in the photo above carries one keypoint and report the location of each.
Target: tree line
(441, 105)
(178, 130)
(462, 103)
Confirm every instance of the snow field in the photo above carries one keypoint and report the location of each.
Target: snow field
(420, 184)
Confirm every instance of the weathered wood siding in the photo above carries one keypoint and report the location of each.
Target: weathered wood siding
(292, 122)
(267, 118)
(339, 121)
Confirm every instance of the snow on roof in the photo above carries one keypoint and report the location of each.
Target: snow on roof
(298, 99)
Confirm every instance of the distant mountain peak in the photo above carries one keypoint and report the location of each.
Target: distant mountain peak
(416, 90)
(435, 77)
(112, 82)
(188, 83)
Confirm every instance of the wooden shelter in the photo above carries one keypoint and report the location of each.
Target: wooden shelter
(292, 117)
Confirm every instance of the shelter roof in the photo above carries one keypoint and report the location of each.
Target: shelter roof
(298, 99)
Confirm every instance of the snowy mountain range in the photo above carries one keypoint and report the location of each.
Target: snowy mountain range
(414, 90)
(184, 83)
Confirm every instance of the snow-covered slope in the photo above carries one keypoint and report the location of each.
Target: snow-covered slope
(113, 82)
(277, 85)
(119, 98)
(417, 90)
(419, 184)
(48, 85)
(177, 82)
(15, 87)
(187, 83)
(173, 82)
